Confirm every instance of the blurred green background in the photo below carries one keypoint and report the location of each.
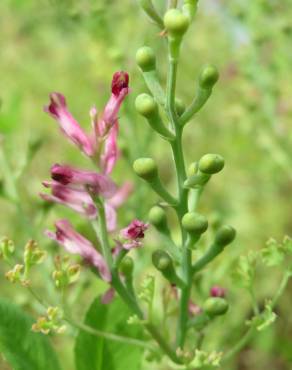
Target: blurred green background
(74, 47)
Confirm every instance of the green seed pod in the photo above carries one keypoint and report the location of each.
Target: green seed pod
(145, 59)
(146, 105)
(211, 163)
(194, 223)
(161, 260)
(146, 168)
(180, 107)
(208, 76)
(176, 23)
(157, 217)
(215, 306)
(225, 235)
(127, 266)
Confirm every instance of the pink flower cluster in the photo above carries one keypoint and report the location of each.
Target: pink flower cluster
(76, 188)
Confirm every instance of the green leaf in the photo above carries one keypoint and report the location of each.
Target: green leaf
(273, 254)
(22, 348)
(96, 353)
(264, 319)
(245, 270)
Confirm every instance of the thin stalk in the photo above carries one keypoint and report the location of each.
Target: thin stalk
(182, 207)
(101, 231)
(170, 93)
(283, 284)
(240, 345)
(110, 336)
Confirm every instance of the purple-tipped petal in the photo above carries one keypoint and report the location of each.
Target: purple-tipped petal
(121, 195)
(77, 199)
(75, 243)
(97, 183)
(68, 125)
(135, 230)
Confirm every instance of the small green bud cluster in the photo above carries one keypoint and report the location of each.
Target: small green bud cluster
(65, 273)
(33, 255)
(51, 322)
(15, 275)
(7, 249)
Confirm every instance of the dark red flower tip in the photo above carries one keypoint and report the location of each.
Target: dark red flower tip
(120, 81)
(61, 174)
(217, 291)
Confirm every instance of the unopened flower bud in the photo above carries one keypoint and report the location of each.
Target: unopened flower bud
(54, 313)
(225, 235)
(215, 306)
(73, 273)
(194, 223)
(208, 77)
(217, 291)
(32, 254)
(15, 275)
(157, 217)
(146, 105)
(127, 266)
(7, 248)
(145, 168)
(161, 260)
(145, 59)
(60, 278)
(211, 163)
(175, 22)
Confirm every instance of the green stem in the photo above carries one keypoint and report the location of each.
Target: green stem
(240, 345)
(170, 94)
(283, 284)
(101, 231)
(182, 207)
(211, 253)
(110, 336)
(125, 295)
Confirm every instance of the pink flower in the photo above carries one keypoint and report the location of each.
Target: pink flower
(135, 230)
(69, 126)
(194, 309)
(120, 89)
(133, 234)
(73, 197)
(217, 291)
(121, 195)
(108, 296)
(97, 183)
(106, 128)
(75, 243)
